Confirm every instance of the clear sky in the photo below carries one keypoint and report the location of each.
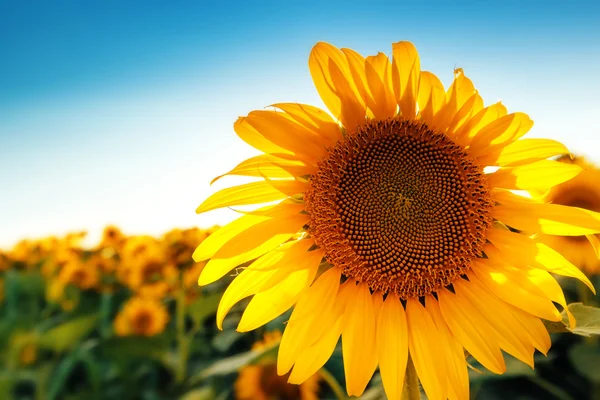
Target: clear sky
(122, 112)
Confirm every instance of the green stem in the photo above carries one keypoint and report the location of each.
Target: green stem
(411, 389)
(183, 342)
(333, 384)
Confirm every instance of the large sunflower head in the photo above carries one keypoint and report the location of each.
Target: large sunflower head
(582, 191)
(387, 227)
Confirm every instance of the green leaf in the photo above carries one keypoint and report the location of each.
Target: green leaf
(586, 359)
(204, 393)
(130, 347)
(6, 385)
(204, 307)
(222, 341)
(588, 321)
(233, 364)
(68, 334)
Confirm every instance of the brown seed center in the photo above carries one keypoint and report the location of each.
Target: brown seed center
(400, 207)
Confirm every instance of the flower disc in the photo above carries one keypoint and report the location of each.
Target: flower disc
(400, 207)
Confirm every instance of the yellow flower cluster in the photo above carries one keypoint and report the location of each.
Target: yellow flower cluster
(149, 269)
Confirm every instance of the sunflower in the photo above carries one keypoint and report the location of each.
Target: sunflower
(261, 381)
(141, 316)
(384, 226)
(582, 191)
(112, 237)
(83, 275)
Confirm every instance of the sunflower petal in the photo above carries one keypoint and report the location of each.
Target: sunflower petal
(425, 349)
(271, 303)
(268, 165)
(593, 239)
(392, 346)
(406, 73)
(315, 356)
(500, 132)
(250, 135)
(318, 299)
(508, 334)
(458, 376)
(461, 90)
(378, 72)
(287, 133)
(314, 119)
(514, 289)
(548, 284)
(264, 273)
(538, 175)
(551, 219)
(523, 152)
(358, 339)
(458, 315)
(483, 118)
(251, 193)
(250, 244)
(529, 252)
(432, 98)
(332, 78)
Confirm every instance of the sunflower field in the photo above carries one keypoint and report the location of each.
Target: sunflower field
(126, 319)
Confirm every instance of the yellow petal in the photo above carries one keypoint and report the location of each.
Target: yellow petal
(529, 252)
(500, 132)
(269, 165)
(458, 94)
(523, 152)
(551, 219)
(593, 239)
(315, 356)
(250, 244)
(314, 119)
(251, 193)
(217, 239)
(331, 75)
(425, 350)
(356, 65)
(378, 72)
(499, 317)
(432, 98)
(548, 284)
(472, 106)
(483, 118)
(458, 376)
(318, 300)
(392, 346)
(539, 175)
(514, 288)
(288, 134)
(271, 303)
(358, 340)
(254, 138)
(264, 273)
(406, 73)
(459, 316)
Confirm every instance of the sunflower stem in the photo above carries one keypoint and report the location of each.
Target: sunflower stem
(411, 389)
(333, 384)
(183, 341)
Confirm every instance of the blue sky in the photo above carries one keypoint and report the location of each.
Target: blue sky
(122, 113)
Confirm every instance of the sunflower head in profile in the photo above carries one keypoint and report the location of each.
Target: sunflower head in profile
(141, 317)
(582, 191)
(262, 382)
(384, 226)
